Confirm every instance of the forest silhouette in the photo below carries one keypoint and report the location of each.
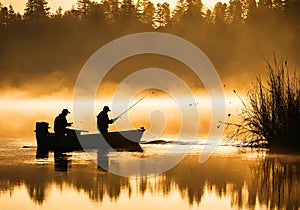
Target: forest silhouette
(40, 49)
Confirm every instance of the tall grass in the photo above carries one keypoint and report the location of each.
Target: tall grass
(271, 114)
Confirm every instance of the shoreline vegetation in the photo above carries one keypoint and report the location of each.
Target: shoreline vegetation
(270, 117)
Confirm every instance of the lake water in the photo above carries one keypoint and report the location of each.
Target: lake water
(231, 178)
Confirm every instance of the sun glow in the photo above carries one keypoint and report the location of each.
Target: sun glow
(211, 3)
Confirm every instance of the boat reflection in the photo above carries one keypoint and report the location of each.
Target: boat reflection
(270, 182)
(61, 162)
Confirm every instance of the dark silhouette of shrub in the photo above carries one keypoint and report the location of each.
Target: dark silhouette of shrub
(271, 114)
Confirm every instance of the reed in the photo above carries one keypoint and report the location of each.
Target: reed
(271, 115)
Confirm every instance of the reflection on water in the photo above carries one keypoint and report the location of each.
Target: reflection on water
(235, 180)
(276, 183)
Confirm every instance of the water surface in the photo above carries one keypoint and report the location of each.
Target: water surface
(230, 179)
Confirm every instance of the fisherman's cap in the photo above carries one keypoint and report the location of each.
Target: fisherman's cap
(106, 108)
(65, 111)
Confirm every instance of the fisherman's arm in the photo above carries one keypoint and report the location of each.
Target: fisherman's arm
(66, 123)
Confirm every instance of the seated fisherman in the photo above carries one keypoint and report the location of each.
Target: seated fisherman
(103, 121)
(61, 123)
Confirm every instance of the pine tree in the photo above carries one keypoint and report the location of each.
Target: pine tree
(3, 15)
(194, 8)
(145, 11)
(84, 7)
(179, 10)
(36, 10)
(235, 12)
(127, 10)
(111, 10)
(12, 16)
(149, 12)
(166, 13)
(139, 7)
(162, 17)
(220, 13)
(251, 11)
(208, 16)
(159, 15)
(58, 13)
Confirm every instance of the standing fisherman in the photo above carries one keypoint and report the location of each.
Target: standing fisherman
(103, 121)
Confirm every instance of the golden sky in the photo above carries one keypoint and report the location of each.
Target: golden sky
(19, 5)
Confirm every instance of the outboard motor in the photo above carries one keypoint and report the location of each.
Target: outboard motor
(41, 133)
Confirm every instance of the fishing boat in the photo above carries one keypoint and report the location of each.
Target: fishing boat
(76, 140)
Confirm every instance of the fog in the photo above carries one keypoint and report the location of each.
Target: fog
(42, 58)
(161, 118)
(42, 54)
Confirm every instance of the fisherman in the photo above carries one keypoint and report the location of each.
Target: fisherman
(103, 121)
(61, 123)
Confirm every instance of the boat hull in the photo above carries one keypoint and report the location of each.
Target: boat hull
(76, 141)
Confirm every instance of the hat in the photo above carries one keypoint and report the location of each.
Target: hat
(106, 108)
(65, 111)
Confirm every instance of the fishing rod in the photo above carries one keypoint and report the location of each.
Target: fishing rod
(132, 106)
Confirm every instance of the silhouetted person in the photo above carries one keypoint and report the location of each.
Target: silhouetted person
(60, 123)
(103, 121)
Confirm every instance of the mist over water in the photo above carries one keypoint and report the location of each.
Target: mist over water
(160, 116)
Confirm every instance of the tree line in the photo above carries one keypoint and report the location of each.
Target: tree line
(55, 45)
(144, 12)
